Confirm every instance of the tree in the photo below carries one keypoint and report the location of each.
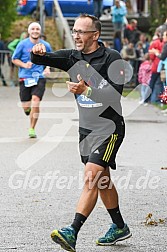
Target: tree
(158, 11)
(7, 16)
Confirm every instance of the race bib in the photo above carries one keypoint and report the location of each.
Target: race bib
(29, 82)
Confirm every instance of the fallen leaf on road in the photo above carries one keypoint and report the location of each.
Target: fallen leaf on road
(149, 221)
(163, 168)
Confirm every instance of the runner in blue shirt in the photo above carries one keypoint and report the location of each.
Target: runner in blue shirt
(31, 76)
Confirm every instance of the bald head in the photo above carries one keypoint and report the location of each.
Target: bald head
(33, 25)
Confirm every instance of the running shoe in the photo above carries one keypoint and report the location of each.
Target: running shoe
(27, 111)
(113, 235)
(32, 133)
(65, 237)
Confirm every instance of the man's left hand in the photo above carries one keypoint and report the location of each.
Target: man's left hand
(77, 88)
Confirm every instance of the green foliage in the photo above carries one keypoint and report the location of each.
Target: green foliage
(163, 10)
(7, 16)
(158, 11)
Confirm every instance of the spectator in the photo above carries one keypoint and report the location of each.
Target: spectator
(97, 7)
(155, 83)
(144, 76)
(163, 55)
(118, 13)
(12, 46)
(163, 65)
(2, 59)
(131, 33)
(163, 27)
(139, 59)
(137, 7)
(143, 38)
(139, 51)
(128, 53)
(117, 41)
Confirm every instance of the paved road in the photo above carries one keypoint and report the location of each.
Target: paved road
(41, 179)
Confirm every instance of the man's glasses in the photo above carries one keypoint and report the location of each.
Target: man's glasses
(80, 32)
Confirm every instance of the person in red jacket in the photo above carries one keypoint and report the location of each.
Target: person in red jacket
(155, 82)
(131, 32)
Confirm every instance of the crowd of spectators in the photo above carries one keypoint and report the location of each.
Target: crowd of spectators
(142, 52)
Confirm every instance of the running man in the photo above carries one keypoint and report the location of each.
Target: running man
(31, 76)
(101, 125)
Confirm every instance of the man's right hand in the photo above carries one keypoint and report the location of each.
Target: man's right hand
(28, 64)
(39, 49)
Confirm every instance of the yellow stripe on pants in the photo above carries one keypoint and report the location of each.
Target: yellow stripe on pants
(110, 147)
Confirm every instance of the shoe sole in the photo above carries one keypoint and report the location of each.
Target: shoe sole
(56, 237)
(112, 243)
(32, 136)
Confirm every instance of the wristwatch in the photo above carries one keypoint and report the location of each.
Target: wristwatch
(88, 92)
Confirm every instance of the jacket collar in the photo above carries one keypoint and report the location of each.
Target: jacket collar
(98, 53)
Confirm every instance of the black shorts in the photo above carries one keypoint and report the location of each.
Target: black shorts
(27, 92)
(98, 151)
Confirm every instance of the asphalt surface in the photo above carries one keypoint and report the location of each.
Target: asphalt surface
(41, 179)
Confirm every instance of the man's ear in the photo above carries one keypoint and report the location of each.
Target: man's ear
(96, 35)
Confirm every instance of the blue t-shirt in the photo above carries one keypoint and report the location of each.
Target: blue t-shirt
(22, 53)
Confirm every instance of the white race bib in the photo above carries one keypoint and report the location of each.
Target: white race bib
(29, 82)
